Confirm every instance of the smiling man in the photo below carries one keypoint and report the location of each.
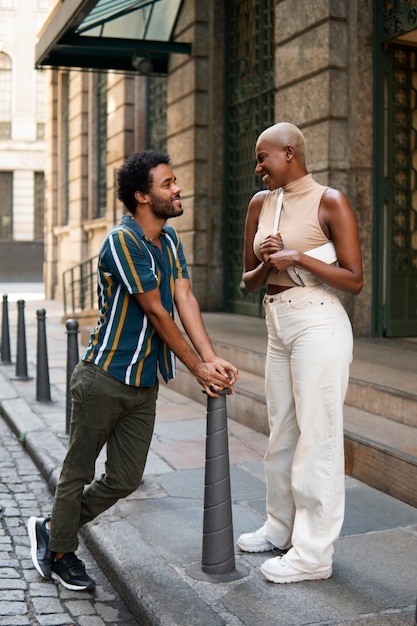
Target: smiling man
(142, 273)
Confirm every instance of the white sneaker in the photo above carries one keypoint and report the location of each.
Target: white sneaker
(278, 570)
(255, 542)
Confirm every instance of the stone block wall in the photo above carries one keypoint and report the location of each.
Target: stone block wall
(323, 70)
(195, 143)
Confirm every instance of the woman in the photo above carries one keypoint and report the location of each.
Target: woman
(308, 355)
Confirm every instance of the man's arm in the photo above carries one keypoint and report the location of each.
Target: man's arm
(192, 321)
(207, 372)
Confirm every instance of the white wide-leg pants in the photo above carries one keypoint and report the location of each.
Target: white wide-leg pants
(307, 371)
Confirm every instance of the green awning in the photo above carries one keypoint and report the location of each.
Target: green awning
(127, 35)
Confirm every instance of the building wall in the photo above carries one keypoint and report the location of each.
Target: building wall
(78, 239)
(323, 85)
(195, 143)
(23, 152)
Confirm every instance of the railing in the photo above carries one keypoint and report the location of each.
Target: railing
(80, 286)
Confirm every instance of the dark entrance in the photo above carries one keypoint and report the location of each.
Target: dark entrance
(395, 302)
(250, 109)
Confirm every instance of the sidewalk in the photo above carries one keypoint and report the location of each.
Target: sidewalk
(150, 544)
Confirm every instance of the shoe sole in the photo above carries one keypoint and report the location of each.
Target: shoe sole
(296, 578)
(88, 587)
(31, 526)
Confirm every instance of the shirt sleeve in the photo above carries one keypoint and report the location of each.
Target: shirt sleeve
(126, 261)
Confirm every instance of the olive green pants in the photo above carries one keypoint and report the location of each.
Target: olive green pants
(104, 411)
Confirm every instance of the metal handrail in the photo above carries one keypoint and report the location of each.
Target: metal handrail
(79, 285)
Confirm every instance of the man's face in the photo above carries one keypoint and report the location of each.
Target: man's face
(164, 193)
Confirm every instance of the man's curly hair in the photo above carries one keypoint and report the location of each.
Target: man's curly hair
(134, 175)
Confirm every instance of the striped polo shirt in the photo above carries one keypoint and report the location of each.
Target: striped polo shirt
(123, 342)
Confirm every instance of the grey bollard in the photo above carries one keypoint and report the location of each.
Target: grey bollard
(43, 391)
(218, 549)
(21, 352)
(5, 334)
(218, 558)
(72, 360)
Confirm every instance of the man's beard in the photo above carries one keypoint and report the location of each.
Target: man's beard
(164, 209)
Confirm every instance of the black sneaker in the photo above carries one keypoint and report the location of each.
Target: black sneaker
(70, 571)
(39, 545)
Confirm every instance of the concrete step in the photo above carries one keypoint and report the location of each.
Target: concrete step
(383, 372)
(379, 451)
(383, 378)
(380, 407)
(382, 453)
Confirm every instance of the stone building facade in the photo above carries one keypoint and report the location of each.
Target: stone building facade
(321, 65)
(22, 146)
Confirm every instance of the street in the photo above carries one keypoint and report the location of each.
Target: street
(26, 599)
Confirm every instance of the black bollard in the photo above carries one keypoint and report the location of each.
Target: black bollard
(43, 391)
(5, 335)
(21, 353)
(218, 558)
(72, 360)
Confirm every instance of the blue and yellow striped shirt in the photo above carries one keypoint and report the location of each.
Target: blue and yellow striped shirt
(123, 342)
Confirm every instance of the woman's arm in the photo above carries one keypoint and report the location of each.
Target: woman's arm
(338, 221)
(256, 272)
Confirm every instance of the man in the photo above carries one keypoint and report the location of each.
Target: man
(142, 272)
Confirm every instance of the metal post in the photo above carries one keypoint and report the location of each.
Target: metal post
(43, 392)
(21, 353)
(72, 360)
(5, 335)
(218, 559)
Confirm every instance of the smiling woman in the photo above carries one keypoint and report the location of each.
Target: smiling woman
(308, 354)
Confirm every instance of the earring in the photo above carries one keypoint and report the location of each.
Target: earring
(289, 157)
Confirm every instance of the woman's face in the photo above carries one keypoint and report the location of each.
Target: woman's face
(271, 164)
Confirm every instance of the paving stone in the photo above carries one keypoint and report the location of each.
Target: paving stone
(14, 620)
(12, 608)
(80, 607)
(90, 621)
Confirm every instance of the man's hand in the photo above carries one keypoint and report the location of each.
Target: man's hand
(216, 374)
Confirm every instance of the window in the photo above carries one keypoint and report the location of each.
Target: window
(5, 96)
(41, 88)
(157, 112)
(6, 205)
(101, 100)
(39, 204)
(64, 150)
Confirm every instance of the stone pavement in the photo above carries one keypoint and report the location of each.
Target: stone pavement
(25, 599)
(149, 545)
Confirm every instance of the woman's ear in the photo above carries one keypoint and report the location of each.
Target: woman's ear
(289, 153)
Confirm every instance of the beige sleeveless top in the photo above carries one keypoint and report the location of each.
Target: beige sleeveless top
(299, 224)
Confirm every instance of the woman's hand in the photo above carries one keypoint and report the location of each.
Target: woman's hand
(270, 245)
(283, 259)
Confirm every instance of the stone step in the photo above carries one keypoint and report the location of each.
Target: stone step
(383, 373)
(382, 453)
(379, 451)
(395, 404)
(380, 408)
